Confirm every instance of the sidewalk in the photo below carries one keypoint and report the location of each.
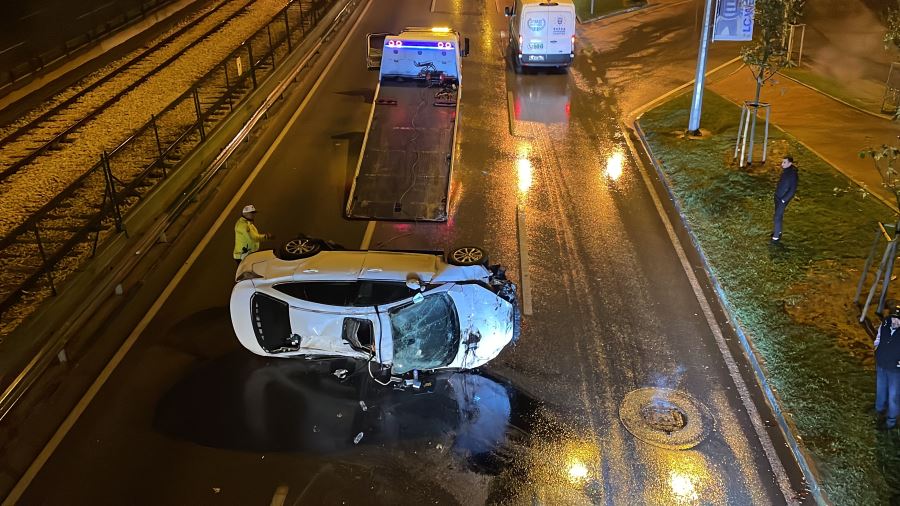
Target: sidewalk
(834, 131)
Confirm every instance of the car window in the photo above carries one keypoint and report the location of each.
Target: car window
(425, 334)
(331, 293)
(376, 293)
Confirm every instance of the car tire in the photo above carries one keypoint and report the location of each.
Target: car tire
(299, 247)
(467, 255)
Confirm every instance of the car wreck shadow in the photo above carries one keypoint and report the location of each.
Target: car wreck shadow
(249, 403)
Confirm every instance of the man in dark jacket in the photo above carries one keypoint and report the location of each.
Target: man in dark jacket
(784, 192)
(887, 371)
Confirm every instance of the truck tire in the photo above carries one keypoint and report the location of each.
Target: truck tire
(300, 247)
(467, 255)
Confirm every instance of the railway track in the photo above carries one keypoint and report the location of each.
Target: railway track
(62, 220)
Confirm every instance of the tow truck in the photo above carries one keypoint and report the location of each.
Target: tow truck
(408, 150)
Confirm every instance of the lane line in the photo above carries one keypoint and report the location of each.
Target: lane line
(98, 9)
(367, 237)
(432, 5)
(524, 263)
(509, 112)
(10, 48)
(79, 408)
(35, 13)
(497, 5)
(280, 496)
(733, 369)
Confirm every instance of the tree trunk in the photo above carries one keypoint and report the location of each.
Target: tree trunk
(759, 84)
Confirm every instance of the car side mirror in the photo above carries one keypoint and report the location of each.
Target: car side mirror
(507, 11)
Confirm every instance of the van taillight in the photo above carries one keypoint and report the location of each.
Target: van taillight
(520, 43)
(573, 42)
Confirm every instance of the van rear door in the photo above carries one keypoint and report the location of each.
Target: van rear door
(561, 21)
(534, 32)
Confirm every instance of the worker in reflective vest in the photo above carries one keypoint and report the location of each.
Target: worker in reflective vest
(246, 236)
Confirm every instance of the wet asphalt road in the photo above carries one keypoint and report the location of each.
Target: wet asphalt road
(189, 417)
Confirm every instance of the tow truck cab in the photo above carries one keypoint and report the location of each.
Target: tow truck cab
(542, 33)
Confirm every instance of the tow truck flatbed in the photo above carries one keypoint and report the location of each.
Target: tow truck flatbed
(406, 163)
(405, 168)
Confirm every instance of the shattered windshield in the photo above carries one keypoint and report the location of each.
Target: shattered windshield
(426, 335)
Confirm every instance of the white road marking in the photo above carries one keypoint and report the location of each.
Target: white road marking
(35, 13)
(733, 370)
(98, 9)
(79, 408)
(432, 5)
(10, 48)
(497, 5)
(280, 496)
(367, 237)
(524, 263)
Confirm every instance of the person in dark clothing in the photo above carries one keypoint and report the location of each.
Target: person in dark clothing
(887, 371)
(784, 192)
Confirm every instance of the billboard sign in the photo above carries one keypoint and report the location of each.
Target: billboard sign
(734, 20)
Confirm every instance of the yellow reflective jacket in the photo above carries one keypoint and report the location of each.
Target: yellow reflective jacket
(246, 238)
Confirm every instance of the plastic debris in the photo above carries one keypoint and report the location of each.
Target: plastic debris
(358, 438)
(315, 428)
(362, 404)
(340, 415)
(216, 490)
(341, 373)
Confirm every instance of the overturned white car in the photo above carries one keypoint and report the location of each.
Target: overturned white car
(406, 310)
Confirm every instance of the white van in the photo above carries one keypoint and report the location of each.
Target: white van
(542, 32)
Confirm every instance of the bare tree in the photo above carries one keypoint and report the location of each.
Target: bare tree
(767, 55)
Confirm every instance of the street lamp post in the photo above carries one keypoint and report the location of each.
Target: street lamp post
(697, 100)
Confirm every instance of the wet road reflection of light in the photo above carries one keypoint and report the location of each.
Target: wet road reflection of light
(524, 169)
(685, 478)
(683, 486)
(614, 165)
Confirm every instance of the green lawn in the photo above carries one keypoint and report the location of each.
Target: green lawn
(603, 7)
(835, 88)
(794, 301)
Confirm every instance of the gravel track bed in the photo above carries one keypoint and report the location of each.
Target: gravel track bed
(30, 188)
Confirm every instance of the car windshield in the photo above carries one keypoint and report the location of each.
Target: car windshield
(426, 334)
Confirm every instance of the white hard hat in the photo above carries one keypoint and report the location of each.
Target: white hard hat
(249, 209)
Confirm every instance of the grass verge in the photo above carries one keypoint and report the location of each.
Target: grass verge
(602, 7)
(795, 300)
(835, 89)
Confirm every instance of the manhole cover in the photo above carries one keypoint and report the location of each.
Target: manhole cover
(665, 418)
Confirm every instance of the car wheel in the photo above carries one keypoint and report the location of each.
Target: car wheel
(300, 247)
(468, 255)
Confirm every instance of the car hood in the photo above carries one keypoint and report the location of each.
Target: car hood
(485, 323)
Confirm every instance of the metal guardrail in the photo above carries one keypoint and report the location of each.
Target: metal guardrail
(47, 353)
(62, 234)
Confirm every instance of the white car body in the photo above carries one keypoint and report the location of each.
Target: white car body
(312, 306)
(542, 32)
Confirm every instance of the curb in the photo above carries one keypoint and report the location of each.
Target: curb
(613, 14)
(796, 447)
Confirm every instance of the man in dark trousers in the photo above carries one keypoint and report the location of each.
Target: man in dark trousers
(887, 371)
(784, 192)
